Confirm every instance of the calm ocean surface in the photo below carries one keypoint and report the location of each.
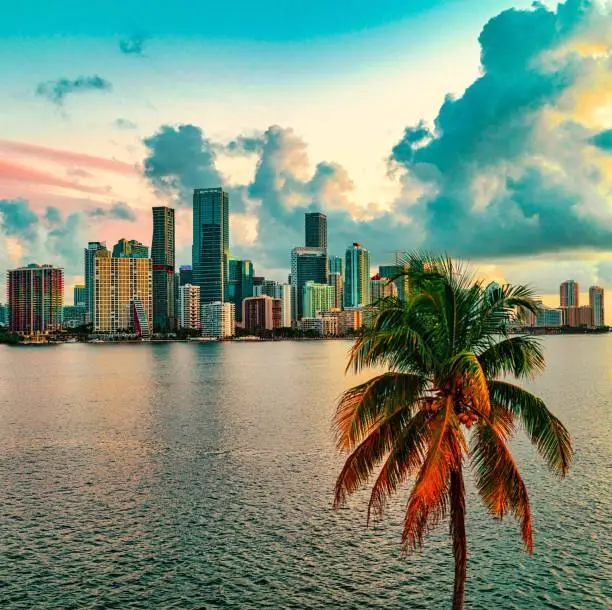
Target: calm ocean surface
(201, 476)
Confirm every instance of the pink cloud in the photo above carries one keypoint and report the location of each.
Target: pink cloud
(66, 157)
(13, 172)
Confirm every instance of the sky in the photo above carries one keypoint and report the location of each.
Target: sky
(481, 128)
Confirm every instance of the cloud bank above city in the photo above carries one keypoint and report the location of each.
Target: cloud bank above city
(515, 171)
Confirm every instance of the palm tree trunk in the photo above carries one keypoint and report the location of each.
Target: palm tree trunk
(457, 526)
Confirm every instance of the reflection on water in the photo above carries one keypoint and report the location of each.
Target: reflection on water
(196, 476)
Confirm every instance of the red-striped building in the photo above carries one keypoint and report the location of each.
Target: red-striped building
(35, 298)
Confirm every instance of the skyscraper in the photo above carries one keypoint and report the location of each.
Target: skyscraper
(315, 229)
(240, 285)
(130, 249)
(162, 259)
(35, 298)
(335, 264)
(90, 297)
(79, 295)
(337, 281)
(596, 301)
(307, 264)
(210, 252)
(569, 292)
(357, 276)
(123, 294)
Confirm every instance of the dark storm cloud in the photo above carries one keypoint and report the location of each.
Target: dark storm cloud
(57, 90)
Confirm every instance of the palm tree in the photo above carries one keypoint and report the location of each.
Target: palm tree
(448, 356)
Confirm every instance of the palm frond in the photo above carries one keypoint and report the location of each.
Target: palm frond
(405, 457)
(467, 367)
(520, 356)
(546, 432)
(498, 480)
(428, 501)
(368, 454)
(365, 405)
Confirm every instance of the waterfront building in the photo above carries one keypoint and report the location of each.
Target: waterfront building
(241, 281)
(280, 291)
(79, 296)
(123, 295)
(4, 317)
(189, 313)
(596, 302)
(261, 313)
(307, 265)
(317, 298)
(130, 249)
(162, 260)
(210, 253)
(73, 316)
(90, 297)
(325, 325)
(357, 276)
(577, 316)
(217, 320)
(381, 288)
(336, 280)
(315, 229)
(549, 316)
(350, 320)
(569, 294)
(35, 298)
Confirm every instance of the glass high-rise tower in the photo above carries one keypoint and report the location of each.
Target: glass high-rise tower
(357, 276)
(162, 259)
(210, 253)
(315, 228)
(307, 264)
(240, 285)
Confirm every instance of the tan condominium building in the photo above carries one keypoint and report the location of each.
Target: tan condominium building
(122, 294)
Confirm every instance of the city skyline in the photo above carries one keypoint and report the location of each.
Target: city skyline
(97, 138)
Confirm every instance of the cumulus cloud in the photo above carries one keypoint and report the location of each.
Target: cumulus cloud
(507, 168)
(284, 186)
(133, 45)
(117, 211)
(603, 140)
(57, 90)
(43, 237)
(516, 165)
(17, 219)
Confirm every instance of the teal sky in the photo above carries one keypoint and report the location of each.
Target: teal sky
(331, 96)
